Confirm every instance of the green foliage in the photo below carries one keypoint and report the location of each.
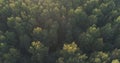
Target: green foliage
(118, 19)
(115, 61)
(71, 54)
(38, 51)
(115, 54)
(90, 39)
(12, 56)
(99, 57)
(10, 37)
(37, 32)
(70, 31)
(24, 41)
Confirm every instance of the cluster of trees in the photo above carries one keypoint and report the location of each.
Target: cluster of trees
(59, 31)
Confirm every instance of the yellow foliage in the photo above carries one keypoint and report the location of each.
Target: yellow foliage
(70, 47)
(12, 5)
(103, 55)
(36, 44)
(115, 61)
(37, 30)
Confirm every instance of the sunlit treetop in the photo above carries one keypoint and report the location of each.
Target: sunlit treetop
(70, 47)
(37, 30)
(115, 61)
(118, 19)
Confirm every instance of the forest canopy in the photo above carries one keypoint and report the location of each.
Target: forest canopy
(59, 31)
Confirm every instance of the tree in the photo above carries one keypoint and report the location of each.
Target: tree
(70, 53)
(12, 56)
(25, 41)
(90, 5)
(92, 19)
(39, 52)
(81, 19)
(37, 32)
(10, 37)
(99, 57)
(115, 61)
(115, 54)
(90, 39)
(93, 25)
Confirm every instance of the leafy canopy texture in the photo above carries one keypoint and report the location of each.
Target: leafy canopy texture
(59, 31)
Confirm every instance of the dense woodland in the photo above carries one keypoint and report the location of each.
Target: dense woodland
(59, 31)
